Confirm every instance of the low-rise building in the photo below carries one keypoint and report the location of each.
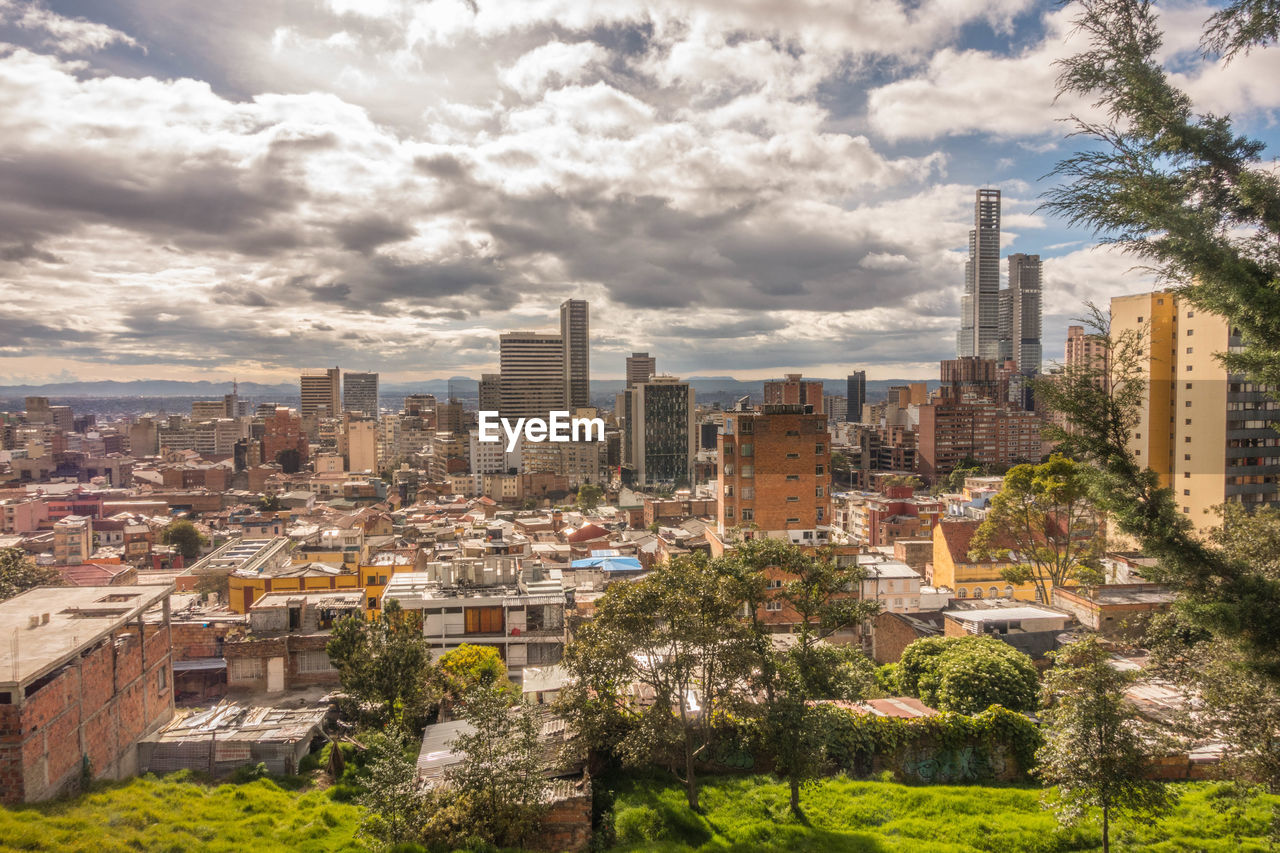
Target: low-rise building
(285, 646)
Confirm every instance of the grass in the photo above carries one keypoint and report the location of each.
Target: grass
(752, 814)
(176, 814)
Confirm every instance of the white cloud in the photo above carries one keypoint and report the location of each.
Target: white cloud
(66, 35)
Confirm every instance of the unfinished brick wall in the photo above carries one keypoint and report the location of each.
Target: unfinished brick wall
(95, 707)
(195, 640)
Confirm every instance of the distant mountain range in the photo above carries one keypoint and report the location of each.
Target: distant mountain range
(149, 392)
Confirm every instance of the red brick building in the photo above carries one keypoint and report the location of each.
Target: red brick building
(775, 474)
(283, 431)
(994, 434)
(91, 676)
(794, 390)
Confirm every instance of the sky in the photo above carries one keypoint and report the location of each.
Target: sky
(195, 190)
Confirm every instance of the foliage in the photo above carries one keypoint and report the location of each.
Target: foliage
(966, 468)
(184, 536)
(1095, 751)
(289, 460)
(175, 813)
(589, 496)
(214, 583)
(459, 670)
(385, 668)
(967, 674)
(675, 632)
(269, 503)
(1044, 521)
(19, 573)
(749, 814)
(500, 780)
(390, 790)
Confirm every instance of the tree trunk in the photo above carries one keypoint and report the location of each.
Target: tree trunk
(795, 795)
(1106, 829)
(690, 784)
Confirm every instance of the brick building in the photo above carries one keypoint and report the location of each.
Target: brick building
(794, 390)
(775, 474)
(91, 675)
(285, 646)
(283, 431)
(994, 434)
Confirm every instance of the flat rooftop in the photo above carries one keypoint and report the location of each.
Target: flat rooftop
(1005, 614)
(78, 618)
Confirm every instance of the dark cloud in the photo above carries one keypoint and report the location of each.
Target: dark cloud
(367, 233)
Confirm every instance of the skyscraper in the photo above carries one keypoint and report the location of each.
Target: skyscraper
(360, 393)
(856, 396)
(575, 330)
(640, 366)
(490, 392)
(533, 374)
(1024, 312)
(980, 305)
(660, 438)
(319, 390)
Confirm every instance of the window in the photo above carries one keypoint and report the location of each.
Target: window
(748, 514)
(1190, 350)
(747, 427)
(775, 583)
(792, 499)
(748, 471)
(791, 477)
(1188, 440)
(373, 602)
(1190, 314)
(382, 580)
(1186, 457)
(728, 512)
(995, 593)
(818, 491)
(819, 470)
(773, 606)
(372, 580)
(1188, 368)
(960, 593)
(1186, 491)
(545, 654)
(244, 669)
(1188, 404)
(162, 678)
(314, 661)
(1008, 591)
(793, 521)
(819, 448)
(1186, 475)
(977, 592)
(1188, 421)
(748, 450)
(1139, 319)
(483, 620)
(1188, 386)
(793, 455)
(1187, 509)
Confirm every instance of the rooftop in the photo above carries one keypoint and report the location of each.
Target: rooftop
(1005, 614)
(66, 621)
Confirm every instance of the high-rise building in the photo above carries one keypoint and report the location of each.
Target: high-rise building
(362, 443)
(1023, 302)
(490, 392)
(994, 433)
(980, 305)
(775, 473)
(1208, 434)
(660, 442)
(319, 392)
(575, 330)
(1085, 351)
(640, 366)
(533, 374)
(208, 410)
(794, 390)
(856, 395)
(360, 393)
(836, 408)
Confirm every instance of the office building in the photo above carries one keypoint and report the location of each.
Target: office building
(319, 393)
(1210, 435)
(835, 407)
(362, 444)
(794, 390)
(533, 374)
(660, 439)
(856, 395)
(775, 474)
(360, 393)
(575, 330)
(980, 305)
(489, 393)
(640, 367)
(208, 410)
(1020, 315)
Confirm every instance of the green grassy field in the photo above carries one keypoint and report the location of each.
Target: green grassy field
(177, 815)
(752, 814)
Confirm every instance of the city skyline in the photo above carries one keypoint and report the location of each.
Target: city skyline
(312, 187)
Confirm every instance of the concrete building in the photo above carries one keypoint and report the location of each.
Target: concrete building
(775, 474)
(490, 392)
(488, 602)
(794, 390)
(855, 396)
(208, 410)
(86, 673)
(1084, 351)
(285, 646)
(533, 374)
(72, 539)
(575, 331)
(1210, 435)
(362, 443)
(660, 439)
(836, 407)
(360, 393)
(319, 388)
(1020, 324)
(980, 304)
(641, 367)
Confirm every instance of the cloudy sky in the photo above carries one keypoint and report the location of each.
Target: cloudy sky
(197, 190)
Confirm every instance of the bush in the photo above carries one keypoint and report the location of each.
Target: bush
(641, 823)
(968, 674)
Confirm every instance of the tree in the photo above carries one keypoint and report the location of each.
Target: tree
(966, 468)
(385, 667)
(393, 800)
(1044, 521)
(1094, 751)
(289, 460)
(819, 593)
(677, 633)
(1179, 190)
(968, 674)
(269, 503)
(184, 536)
(460, 670)
(501, 773)
(19, 573)
(1220, 591)
(589, 496)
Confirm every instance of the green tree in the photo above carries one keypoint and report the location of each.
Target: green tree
(385, 668)
(184, 536)
(269, 503)
(677, 633)
(968, 674)
(390, 792)
(501, 775)
(289, 460)
(468, 666)
(1043, 520)
(589, 496)
(966, 468)
(1094, 751)
(19, 573)
(820, 592)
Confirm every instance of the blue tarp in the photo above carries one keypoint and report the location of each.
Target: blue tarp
(609, 564)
